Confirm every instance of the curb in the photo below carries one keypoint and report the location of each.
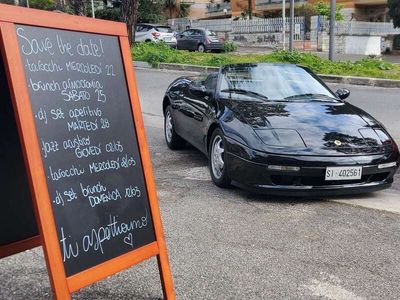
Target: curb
(363, 81)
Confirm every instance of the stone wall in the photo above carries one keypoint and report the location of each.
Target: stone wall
(270, 40)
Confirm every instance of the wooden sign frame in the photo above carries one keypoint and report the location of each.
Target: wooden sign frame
(63, 286)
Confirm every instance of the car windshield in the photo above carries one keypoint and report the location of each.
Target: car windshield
(210, 33)
(272, 82)
(164, 29)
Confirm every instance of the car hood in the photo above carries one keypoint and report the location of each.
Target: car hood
(314, 127)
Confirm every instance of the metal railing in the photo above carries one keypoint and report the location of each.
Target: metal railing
(218, 7)
(269, 2)
(271, 25)
(357, 27)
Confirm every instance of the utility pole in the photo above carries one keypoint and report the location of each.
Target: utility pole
(250, 9)
(93, 16)
(284, 24)
(27, 3)
(291, 25)
(332, 30)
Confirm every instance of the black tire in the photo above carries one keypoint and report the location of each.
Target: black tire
(201, 48)
(173, 140)
(222, 180)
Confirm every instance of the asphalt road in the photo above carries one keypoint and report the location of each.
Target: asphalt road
(229, 244)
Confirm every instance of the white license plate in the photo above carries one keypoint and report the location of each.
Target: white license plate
(343, 173)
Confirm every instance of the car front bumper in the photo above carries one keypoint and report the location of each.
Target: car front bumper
(248, 169)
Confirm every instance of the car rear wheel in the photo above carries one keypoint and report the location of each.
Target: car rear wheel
(201, 48)
(217, 161)
(173, 140)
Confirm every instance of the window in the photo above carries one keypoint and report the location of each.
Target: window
(164, 29)
(187, 32)
(211, 82)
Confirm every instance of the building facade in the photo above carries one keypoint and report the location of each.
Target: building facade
(358, 10)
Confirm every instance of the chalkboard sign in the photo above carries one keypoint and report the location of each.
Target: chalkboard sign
(17, 217)
(86, 158)
(83, 118)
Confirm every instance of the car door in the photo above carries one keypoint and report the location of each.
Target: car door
(182, 40)
(141, 33)
(194, 39)
(197, 110)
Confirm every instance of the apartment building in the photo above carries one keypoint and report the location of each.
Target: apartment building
(360, 10)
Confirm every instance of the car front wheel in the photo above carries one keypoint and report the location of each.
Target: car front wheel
(173, 140)
(217, 160)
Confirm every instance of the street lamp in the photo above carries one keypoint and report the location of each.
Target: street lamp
(283, 23)
(332, 30)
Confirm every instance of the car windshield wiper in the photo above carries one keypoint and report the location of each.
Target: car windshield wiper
(319, 96)
(245, 92)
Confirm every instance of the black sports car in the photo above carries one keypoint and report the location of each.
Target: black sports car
(277, 128)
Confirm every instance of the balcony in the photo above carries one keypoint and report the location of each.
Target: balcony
(274, 4)
(218, 9)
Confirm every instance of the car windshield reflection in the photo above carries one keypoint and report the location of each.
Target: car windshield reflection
(282, 82)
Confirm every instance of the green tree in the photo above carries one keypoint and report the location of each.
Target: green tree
(184, 10)
(306, 10)
(324, 9)
(150, 11)
(7, 1)
(42, 4)
(394, 12)
(78, 7)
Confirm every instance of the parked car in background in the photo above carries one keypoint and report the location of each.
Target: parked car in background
(155, 33)
(199, 40)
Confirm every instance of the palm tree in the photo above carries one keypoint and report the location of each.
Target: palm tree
(171, 6)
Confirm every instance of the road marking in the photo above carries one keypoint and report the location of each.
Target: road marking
(196, 173)
(388, 200)
(330, 291)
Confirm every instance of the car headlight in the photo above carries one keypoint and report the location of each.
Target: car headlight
(281, 137)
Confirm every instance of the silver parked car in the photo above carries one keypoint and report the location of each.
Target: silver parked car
(155, 33)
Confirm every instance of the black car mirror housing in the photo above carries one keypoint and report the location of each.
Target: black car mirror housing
(200, 90)
(343, 93)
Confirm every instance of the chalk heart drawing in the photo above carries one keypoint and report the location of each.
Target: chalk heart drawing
(129, 240)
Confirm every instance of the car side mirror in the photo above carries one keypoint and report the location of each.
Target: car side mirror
(199, 90)
(343, 93)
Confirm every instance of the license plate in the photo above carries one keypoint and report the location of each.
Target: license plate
(343, 173)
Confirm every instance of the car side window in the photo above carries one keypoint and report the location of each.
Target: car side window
(211, 82)
(143, 28)
(198, 32)
(187, 33)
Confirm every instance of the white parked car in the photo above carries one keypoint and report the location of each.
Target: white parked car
(155, 33)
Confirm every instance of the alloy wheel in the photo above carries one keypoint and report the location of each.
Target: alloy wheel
(168, 127)
(217, 160)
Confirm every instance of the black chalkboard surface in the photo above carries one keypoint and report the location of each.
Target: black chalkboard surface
(17, 217)
(85, 128)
